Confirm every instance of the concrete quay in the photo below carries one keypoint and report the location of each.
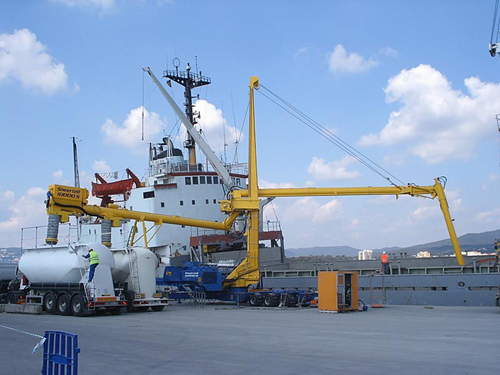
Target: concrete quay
(223, 339)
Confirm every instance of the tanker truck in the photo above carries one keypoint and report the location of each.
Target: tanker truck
(56, 277)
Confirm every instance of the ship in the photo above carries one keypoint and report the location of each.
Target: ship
(181, 186)
(178, 184)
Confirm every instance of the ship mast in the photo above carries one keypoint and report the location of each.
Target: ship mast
(189, 81)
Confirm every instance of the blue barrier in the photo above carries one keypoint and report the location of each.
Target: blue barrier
(60, 353)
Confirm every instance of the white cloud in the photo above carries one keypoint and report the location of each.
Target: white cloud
(489, 216)
(321, 170)
(310, 210)
(214, 128)
(341, 61)
(491, 183)
(101, 5)
(58, 175)
(27, 211)
(300, 52)
(129, 134)
(7, 196)
(425, 213)
(388, 51)
(101, 166)
(263, 184)
(23, 58)
(435, 121)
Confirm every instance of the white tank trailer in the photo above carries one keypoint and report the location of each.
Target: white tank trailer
(137, 267)
(58, 279)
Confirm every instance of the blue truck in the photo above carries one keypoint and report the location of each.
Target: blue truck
(208, 280)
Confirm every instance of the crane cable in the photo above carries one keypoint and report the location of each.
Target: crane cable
(327, 134)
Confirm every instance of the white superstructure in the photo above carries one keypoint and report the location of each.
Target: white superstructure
(172, 187)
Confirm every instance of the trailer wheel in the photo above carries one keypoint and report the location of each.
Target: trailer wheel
(63, 305)
(268, 301)
(157, 308)
(116, 310)
(253, 300)
(49, 302)
(77, 305)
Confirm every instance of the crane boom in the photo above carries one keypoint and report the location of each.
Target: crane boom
(66, 200)
(248, 201)
(205, 148)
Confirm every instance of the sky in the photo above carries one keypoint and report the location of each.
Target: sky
(409, 84)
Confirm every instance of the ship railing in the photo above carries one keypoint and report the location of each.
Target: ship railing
(237, 168)
(184, 74)
(268, 226)
(441, 270)
(34, 237)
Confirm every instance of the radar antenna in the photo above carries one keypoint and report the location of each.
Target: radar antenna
(189, 81)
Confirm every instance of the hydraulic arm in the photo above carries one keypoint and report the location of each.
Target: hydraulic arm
(247, 201)
(66, 200)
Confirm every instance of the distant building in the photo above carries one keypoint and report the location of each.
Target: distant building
(365, 255)
(424, 254)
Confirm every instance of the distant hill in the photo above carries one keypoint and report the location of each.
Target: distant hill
(471, 241)
(322, 250)
(10, 254)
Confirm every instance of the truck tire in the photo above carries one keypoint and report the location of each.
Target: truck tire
(116, 310)
(268, 301)
(64, 305)
(49, 302)
(157, 308)
(77, 305)
(253, 300)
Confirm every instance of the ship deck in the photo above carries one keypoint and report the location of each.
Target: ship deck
(225, 339)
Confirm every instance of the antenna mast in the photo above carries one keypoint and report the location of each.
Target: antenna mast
(189, 81)
(75, 164)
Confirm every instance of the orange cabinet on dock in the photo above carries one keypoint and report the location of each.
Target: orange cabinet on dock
(337, 291)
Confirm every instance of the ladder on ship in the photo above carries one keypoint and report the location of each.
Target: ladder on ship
(377, 290)
(134, 271)
(88, 286)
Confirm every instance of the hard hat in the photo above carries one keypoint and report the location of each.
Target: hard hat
(384, 251)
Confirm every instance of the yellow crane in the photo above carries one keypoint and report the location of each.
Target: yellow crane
(64, 201)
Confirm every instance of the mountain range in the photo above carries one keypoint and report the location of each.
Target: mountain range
(471, 241)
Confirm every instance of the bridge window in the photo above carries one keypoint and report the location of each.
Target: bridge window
(216, 180)
(182, 203)
(195, 180)
(209, 180)
(188, 180)
(206, 201)
(202, 180)
(148, 194)
(162, 204)
(193, 202)
(215, 201)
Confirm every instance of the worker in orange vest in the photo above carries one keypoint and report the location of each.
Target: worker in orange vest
(385, 263)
